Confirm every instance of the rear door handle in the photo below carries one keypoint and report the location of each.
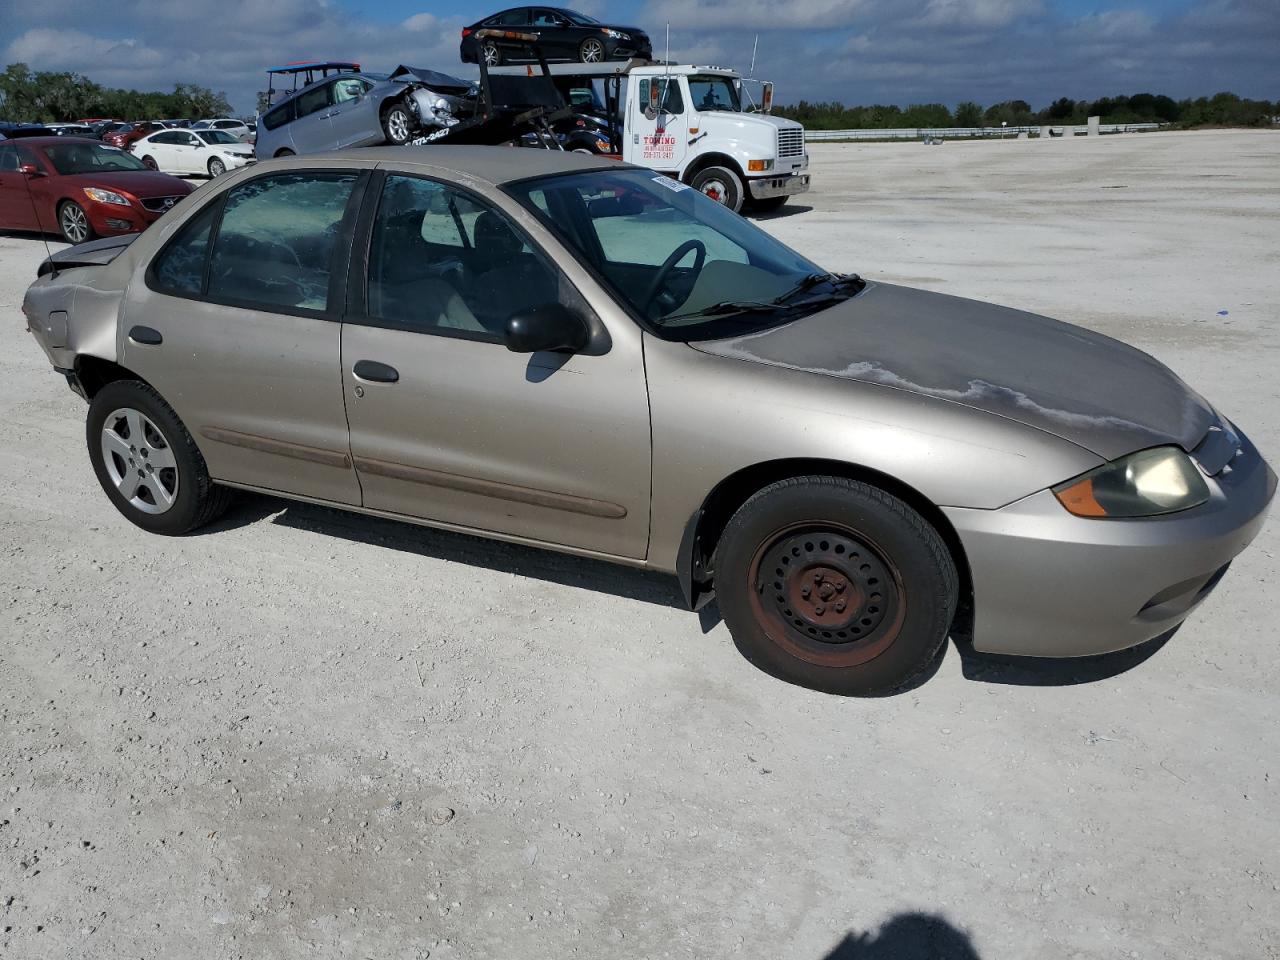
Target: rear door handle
(375, 372)
(146, 335)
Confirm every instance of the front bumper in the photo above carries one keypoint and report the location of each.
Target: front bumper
(766, 188)
(112, 219)
(1050, 584)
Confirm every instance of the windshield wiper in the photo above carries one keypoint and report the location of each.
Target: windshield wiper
(837, 280)
(727, 308)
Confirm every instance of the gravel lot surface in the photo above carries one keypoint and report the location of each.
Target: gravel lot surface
(310, 734)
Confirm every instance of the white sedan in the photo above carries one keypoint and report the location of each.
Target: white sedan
(210, 152)
(237, 128)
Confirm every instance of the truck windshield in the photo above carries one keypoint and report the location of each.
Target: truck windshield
(687, 266)
(714, 93)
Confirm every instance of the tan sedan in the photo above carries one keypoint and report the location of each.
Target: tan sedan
(573, 353)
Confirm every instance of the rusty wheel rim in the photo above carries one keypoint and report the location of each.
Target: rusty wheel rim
(826, 594)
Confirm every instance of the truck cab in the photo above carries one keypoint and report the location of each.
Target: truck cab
(697, 124)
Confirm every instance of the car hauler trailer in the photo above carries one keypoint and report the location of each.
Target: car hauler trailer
(697, 124)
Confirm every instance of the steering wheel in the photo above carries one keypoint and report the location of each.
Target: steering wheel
(678, 254)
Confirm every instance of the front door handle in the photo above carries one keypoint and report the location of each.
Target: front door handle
(146, 335)
(375, 372)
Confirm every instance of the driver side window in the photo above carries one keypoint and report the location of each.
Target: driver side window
(442, 262)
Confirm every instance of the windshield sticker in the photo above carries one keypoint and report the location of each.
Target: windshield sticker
(673, 185)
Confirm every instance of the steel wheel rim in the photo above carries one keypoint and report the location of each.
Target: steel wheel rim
(139, 461)
(716, 189)
(826, 594)
(398, 125)
(490, 52)
(74, 223)
(592, 51)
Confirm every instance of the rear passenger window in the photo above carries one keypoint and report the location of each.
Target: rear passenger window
(313, 100)
(278, 116)
(179, 269)
(276, 242)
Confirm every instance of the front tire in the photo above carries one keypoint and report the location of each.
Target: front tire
(592, 51)
(74, 223)
(835, 585)
(147, 462)
(216, 168)
(396, 125)
(150, 162)
(720, 184)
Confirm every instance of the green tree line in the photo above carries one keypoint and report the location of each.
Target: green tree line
(29, 96)
(1223, 109)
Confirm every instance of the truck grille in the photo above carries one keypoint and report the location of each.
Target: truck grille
(791, 142)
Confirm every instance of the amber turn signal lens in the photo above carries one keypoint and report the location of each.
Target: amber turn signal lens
(1079, 499)
(755, 165)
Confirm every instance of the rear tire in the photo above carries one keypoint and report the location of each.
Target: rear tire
(835, 585)
(720, 184)
(147, 462)
(285, 152)
(491, 54)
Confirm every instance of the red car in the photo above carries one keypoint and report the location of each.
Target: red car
(80, 188)
(129, 133)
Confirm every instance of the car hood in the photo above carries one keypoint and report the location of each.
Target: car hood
(140, 183)
(1087, 388)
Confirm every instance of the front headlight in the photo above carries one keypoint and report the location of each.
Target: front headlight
(1144, 484)
(616, 34)
(105, 196)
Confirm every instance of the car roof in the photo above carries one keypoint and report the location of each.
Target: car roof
(494, 165)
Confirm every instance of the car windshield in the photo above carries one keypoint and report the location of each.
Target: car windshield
(690, 268)
(714, 93)
(81, 157)
(216, 136)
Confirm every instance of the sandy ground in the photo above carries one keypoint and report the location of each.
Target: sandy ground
(307, 734)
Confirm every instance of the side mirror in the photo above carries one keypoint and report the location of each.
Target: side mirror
(549, 327)
(30, 170)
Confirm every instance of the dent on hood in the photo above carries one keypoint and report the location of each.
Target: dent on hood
(973, 395)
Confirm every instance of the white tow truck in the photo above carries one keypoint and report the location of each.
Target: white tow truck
(697, 124)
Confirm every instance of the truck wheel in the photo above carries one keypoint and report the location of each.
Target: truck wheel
(720, 184)
(772, 205)
(835, 585)
(396, 125)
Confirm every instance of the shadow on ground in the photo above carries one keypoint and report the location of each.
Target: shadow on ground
(788, 210)
(539, 564)
(1054, 672)
(632, 584)
(908, 936)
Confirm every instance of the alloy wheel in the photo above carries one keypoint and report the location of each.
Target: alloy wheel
(490, 53)
(826, 594)
(75, 224)
(217, 168)
(139, 461)
(398, 126)
(592, 51)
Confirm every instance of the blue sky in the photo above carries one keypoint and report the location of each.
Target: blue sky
(855, 51)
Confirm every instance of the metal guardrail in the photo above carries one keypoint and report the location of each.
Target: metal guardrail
(961, 133)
